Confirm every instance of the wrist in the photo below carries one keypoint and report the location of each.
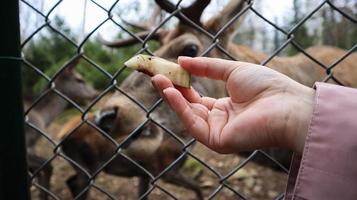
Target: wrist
(300, 116)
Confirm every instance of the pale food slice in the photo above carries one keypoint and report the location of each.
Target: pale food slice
(152, 65)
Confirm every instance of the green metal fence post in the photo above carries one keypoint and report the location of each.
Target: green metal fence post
(13, 168)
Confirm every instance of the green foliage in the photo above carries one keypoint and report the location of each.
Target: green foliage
(109, 60)
(50, 51)
(301, 35)
(337, 30)
(192, 168)
(304, 39)
(47, 52)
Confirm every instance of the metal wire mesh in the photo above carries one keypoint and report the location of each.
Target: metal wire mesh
(185, 146)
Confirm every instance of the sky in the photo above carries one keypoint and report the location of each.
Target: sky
(73, 13)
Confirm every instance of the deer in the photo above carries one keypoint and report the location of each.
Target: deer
(72, 85)
(154, 149)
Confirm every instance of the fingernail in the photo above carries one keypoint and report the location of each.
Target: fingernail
(165, 91)
(182, 60)
(153, 82)
(184, 57)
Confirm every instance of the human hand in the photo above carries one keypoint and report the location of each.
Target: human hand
(264, 108)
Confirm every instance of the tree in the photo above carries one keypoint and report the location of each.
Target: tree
(337, 29)
(277, 39)
(301, 35)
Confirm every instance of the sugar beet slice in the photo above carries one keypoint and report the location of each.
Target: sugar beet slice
(152, 65)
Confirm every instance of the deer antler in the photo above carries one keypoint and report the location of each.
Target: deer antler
(193, 12)
(229, 11)
(130, 41)
(149, 24)
(146, 26)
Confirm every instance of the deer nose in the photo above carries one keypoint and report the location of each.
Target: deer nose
(91, 96)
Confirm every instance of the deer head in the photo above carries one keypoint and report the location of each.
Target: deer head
(72, 84)
(185, 39)
(131, 119)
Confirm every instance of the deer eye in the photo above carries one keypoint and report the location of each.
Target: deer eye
(190, 50)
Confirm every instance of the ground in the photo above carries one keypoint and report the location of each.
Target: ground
(253, 181)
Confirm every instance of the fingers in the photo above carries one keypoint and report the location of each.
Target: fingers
(208, 102)
(213, 68)
(196, 125)
(192, 96)
(161, 82)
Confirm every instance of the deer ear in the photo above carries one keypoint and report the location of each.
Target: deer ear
(230, 10)
(70, 65)
(106, 119)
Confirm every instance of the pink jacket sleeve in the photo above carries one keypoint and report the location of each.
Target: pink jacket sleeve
(328, 167)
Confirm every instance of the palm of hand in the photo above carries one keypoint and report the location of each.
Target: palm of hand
(251, 111)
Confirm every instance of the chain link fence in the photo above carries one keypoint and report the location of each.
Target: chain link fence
(42, 168)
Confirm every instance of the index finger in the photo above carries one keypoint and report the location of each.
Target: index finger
(213, 68)
(161, 83)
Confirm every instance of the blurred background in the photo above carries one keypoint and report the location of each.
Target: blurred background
(76, 19)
